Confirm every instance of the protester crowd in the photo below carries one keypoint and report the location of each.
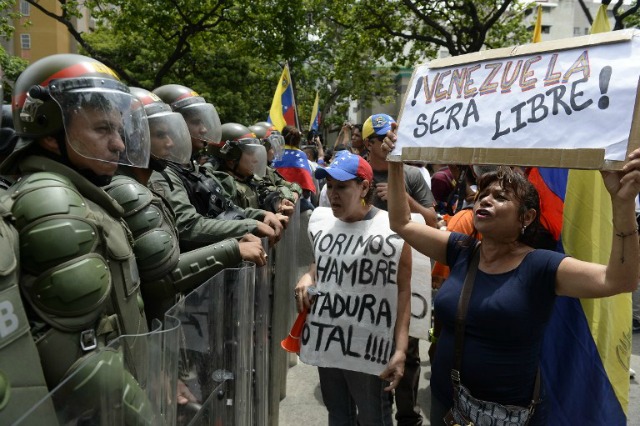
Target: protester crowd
(118, 201)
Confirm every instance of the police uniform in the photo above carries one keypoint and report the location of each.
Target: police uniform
(164, 271)
(79, 274)
(22, 382)
(253, 192)
(194, 208)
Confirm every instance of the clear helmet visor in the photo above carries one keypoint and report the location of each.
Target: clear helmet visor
(275, 143)
(104, 123)
(254, 158)
(203, 122)
(170, 139)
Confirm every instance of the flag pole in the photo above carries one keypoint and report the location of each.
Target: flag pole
(293, 91)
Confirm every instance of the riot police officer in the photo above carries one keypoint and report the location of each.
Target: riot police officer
(273, 142)
(243, 157)
(164, 271)
(79, 277)
(204, 215)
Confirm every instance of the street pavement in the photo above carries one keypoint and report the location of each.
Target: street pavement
(303, 402)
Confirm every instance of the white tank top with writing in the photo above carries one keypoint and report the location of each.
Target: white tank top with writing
(351, 324)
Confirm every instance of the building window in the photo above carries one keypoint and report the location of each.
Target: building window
(587, 31)
(576, 31)
(25, 8)
(545, 29)
(25, 41)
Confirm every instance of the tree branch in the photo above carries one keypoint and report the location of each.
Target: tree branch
(622, 16)
(586, 11)
(92, 52)
(445, 33)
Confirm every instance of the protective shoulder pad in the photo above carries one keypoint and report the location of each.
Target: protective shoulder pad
(129, 193)
(136, 200)
(53, 220)
(156, 241)
(45, 194)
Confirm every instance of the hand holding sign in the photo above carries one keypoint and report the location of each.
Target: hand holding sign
(624, 186)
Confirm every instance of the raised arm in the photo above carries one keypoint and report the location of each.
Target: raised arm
(429, 241)
(583, 279)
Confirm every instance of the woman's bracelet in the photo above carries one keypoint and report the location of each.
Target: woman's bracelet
(628, 234)
(623, 236)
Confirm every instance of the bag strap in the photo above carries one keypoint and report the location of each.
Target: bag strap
(463, 306)
(461, 316)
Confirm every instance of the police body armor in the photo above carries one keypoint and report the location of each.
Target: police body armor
(164, 271)
(253, 192)
(79, 275)
(22, 382)
(205, 194)
(286, 188)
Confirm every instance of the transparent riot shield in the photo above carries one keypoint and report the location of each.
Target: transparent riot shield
(216, 349)
(114, 387)
(262, 324)
(285, 277)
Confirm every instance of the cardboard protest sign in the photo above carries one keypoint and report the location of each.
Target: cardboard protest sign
(420, 291)
(566, 103)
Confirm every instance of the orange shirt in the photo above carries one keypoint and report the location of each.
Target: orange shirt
(461, 222)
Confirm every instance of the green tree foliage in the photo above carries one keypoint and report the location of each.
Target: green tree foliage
(232, 51)
(11, 66)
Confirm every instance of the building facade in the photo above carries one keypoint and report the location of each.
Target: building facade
(43, 36)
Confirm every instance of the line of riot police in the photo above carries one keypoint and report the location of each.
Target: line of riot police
(138, 238)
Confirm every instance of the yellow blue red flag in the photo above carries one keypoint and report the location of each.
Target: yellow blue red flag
(587, 347)
(283, 107)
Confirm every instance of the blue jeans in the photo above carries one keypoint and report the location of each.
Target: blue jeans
(351, 396)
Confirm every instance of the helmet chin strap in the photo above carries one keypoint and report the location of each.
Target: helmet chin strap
(157, 164)
(98, 180)
(236, 163)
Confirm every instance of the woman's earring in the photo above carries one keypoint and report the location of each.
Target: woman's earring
(524, 227)
(363, 202)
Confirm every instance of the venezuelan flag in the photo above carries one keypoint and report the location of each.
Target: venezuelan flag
(587, 348)
(537, 29)
(294, 167)
(283, 106)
